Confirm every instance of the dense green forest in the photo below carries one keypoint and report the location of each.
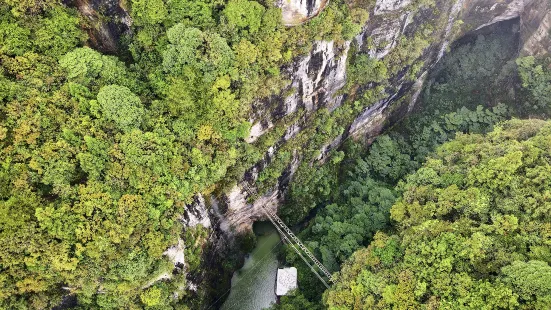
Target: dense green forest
(100, 154)
(471, 230)
(359, 191)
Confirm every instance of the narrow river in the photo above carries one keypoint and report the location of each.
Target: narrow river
(253, 286)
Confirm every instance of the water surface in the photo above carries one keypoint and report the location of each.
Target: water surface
(253, 286)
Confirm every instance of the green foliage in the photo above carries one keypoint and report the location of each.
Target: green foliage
(52, 33)
(148, 11)
(408, 50)
(536, 80)
(92, 69)
(469, 235)
(294, 301)
(195, 53)
(14, 39)
(365, 69)
(476, 73)
(530, 280)
(120, 105)
(99, 157)
(245, 15)
(353, 25)
(361, 209)
(21, 7)
(309, 190)
(339, 227)
(273, 171)
(388, 159)
(58, 33)
(195, 237)
(151, 297)
(193, 13)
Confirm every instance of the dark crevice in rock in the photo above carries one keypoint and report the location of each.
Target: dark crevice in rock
(107, 23)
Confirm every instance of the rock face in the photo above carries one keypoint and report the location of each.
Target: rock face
(240, 213)
(318, 77)
(481, 13)
(387, 6)
(296, 12)
(108, 19)
(536, 26)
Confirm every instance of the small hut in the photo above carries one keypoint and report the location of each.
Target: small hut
(286, 280)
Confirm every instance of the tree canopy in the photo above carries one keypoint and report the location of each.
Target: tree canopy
(102, 155)
(536, 80)
(120, 105)
(472, 230)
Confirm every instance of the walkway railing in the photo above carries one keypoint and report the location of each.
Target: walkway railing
(294, 241)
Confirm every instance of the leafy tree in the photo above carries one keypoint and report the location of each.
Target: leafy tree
(195, 54)
(184, 49)
(120, 105)
(388, 159)
(246, 53)
(347, 225)
(93, 161)
(536, 80)
(20, 7)
(530, 280)
(58, 33)
(148, 11)
(92, 183)
(14, 39)
(151, 297)
(192, 13)
(365, 69)
(92, 69)
(244, 14)
(294, 301)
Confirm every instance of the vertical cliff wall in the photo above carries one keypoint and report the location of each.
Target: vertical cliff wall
(536, 26)
(296, 12)
(319, 77)
(319, 81)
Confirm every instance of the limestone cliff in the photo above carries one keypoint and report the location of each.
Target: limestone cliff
(296, 12)
(536, 25)
(318, 79)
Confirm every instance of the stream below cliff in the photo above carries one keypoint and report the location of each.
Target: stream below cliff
(253, 286)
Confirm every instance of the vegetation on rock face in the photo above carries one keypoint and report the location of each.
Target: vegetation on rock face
(536, 78)
(472, 230)
(366, 176)
(99, 158)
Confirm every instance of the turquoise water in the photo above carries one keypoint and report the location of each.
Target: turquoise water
(253, 286)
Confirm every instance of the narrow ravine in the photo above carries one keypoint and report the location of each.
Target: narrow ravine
(253, 286)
